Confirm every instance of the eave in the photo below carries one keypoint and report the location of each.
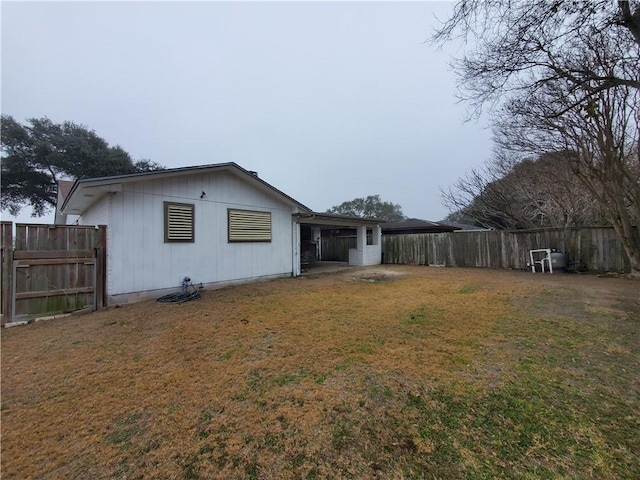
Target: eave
(317, 218)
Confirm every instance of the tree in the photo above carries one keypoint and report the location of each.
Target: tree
(508, 193)
(369, 207)
(35, 156)
(522, 45)
(561, 76)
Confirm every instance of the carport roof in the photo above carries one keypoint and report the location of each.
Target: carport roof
(317, 218)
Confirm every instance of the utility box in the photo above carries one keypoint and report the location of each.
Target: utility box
(558, 260)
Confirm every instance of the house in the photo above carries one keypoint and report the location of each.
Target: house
(217, 224)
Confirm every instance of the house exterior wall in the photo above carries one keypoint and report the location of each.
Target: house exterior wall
(139, 262)
(97, 215)
(371, 255)
(365, 254)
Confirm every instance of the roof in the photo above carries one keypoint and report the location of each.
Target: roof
(464, 226)
(415, 225)
(317, 218)
(84, 193)
(64, 187)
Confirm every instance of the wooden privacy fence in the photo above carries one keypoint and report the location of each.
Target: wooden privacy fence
(50, 269)
(594, 248)
(336, 249)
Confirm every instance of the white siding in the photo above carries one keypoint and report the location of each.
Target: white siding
(98, 214)
(139, 260)
(71, 219)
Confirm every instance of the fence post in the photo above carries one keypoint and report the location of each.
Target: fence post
(101, 267)
(6, 243)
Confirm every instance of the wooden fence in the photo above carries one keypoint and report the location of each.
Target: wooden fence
(594, 249)
(336, 249)
(49, 269)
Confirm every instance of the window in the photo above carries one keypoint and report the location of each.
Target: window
(178, 222)
(249, 226)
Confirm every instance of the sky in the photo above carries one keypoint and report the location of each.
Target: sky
(327, 101)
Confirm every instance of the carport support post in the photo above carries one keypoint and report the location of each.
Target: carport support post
(377, 235)
(361, 242)
(295, 247)
(375, 256)
(317, 238)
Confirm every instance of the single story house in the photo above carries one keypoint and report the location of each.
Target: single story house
(217, 224)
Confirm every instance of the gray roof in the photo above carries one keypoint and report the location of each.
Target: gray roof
(417, 225)
(463, 226)
(76, 202)
(64, 187)
(318, 218)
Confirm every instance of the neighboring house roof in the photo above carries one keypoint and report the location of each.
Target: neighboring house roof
(415, 225)
(64, 187)
(464, 226)
(86, 192)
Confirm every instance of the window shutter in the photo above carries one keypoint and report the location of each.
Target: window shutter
(179, 222)
(249, 226)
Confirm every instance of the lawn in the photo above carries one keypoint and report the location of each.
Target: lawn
(390, 373)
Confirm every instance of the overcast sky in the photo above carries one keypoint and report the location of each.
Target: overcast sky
(328, 101)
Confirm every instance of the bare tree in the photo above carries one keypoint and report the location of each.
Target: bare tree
(510, 193)
(521, 45)
(603, 138)
(485, 196)
(561, 76)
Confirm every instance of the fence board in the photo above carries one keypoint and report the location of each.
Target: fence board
(52, 293)
(34, 254)
(81, 239)
(52, 261)
(32, 237)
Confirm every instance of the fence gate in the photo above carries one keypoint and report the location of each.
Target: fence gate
(53, 269)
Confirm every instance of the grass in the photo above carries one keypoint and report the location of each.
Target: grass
(124, 430)
(422, 374)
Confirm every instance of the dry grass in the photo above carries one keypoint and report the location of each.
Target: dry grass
(402, 372)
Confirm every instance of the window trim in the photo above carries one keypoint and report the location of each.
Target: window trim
(230, 239)
(192, 207)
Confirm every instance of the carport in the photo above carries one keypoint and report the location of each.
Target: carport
(368, 249)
